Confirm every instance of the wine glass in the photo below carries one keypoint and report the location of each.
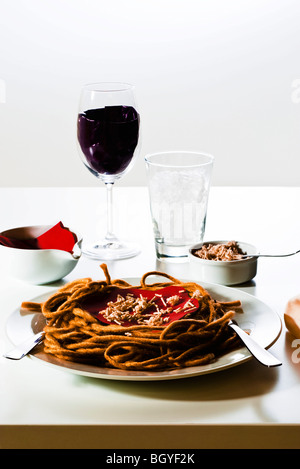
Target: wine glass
(108, 131)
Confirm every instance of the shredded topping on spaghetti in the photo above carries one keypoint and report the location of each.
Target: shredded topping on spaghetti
(134, 309)
(142, 310)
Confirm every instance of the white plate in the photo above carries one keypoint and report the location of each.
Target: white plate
(264, 324)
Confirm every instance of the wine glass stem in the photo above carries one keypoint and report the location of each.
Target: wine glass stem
(110, 237)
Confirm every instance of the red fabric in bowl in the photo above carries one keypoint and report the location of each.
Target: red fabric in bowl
(56, 237)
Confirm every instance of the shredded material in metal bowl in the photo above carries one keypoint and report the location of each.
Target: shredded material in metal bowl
(230, 251)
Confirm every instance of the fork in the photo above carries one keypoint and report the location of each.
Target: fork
(25, 347)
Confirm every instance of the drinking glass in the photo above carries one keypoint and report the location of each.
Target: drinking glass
(108, 133)
(179, 183)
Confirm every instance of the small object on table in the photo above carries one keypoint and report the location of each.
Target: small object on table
(292, 316)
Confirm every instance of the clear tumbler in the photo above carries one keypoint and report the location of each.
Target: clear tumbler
(179, 184)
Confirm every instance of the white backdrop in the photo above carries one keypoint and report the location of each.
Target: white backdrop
(217, 76)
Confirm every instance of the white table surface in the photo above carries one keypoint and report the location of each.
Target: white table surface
(248, 405)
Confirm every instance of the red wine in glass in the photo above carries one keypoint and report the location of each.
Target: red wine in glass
(108, 130)
(108, 138)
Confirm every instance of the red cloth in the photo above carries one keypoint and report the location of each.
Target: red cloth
(18, 243)
(57, 237)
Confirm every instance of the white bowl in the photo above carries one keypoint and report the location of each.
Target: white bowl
(37, 266)
(224, 272)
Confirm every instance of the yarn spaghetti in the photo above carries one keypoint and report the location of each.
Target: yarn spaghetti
(72, 333)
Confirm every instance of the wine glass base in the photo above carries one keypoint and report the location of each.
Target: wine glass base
(111, 251)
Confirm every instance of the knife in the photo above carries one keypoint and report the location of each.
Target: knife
(25, 347)
(261, 354)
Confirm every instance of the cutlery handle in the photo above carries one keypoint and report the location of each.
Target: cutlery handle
(261, 354)
(25, 347)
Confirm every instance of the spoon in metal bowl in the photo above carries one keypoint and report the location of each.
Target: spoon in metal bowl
(244, 256)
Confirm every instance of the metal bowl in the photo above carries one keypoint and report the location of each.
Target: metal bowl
(224, 272)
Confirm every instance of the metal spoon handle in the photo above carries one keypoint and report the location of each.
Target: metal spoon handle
(244, 256)
(25, 347)
(261, 354)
